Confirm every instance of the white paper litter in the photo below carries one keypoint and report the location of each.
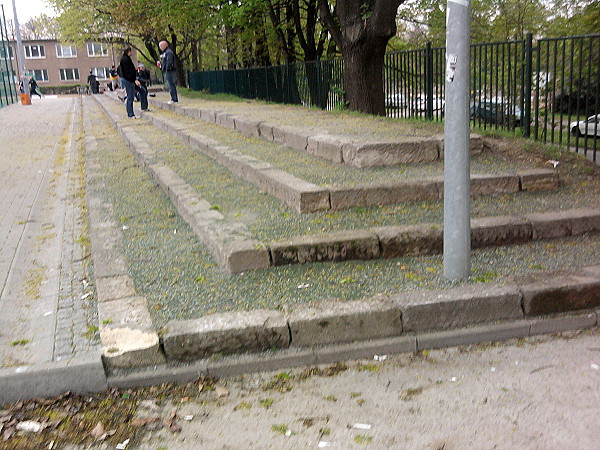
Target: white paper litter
(188, 418)
(380, 357)
(288, 433)
(493, 369)
(122, 445)
(324, 444)
(453, 379)
(595, 366)
(362, 426)
(84, 296)
(29, 425)
(125, 227)
(303, 286)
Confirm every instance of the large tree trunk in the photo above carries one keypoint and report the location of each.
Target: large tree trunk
(362, 29)
(363, 77)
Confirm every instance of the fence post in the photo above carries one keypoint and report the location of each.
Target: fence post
(429, 81)
(527, 80)
(320, 85)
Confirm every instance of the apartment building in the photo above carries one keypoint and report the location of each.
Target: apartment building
(54, 63)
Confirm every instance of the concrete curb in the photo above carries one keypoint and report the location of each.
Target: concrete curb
(330, 147)
(80, 374)
(294, 357)
(306, 197)
(126, 329)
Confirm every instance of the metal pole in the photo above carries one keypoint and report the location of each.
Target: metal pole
(457, 187)
(20, 52)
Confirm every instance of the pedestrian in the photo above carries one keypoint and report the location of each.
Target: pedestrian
(91, 79)
(34, 88)
(130, 81)
(141, 90)
(167, 64)
(114, 78)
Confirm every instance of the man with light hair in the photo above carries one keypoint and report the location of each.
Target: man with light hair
(167, 64)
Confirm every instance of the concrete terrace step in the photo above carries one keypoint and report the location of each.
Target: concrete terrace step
(237, 251)
(338, 149)
(306, 197)
(421, 317)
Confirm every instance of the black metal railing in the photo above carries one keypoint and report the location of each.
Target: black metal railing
(8, 90)
(545, 89)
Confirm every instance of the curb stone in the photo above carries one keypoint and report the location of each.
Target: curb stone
(80, 374)
(125, 323)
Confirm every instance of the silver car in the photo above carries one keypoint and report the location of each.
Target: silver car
(589, 127)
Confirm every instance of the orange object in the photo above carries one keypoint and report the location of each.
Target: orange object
(25, 99)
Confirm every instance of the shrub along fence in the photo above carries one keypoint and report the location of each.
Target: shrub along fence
(8, 90)
(544, 89)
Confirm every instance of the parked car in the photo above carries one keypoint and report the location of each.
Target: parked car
(495, 111)
(589, 127)
(395, 101)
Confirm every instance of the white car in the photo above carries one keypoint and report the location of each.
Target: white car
(589, 127)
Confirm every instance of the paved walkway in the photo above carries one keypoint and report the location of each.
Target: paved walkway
(42, 272)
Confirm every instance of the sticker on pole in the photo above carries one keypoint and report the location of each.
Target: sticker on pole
(451, 67)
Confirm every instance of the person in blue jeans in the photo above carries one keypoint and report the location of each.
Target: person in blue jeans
(167, 64)
(130, 81)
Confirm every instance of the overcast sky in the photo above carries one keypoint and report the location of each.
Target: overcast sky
(26, 9)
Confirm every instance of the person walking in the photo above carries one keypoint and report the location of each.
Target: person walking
(167, 64)
(34, 89)
(130, 81)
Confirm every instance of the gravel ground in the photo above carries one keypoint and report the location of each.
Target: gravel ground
(181, 280)
(351, 125)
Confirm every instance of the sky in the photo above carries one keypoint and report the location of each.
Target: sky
(26, 9)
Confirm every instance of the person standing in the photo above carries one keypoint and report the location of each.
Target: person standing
(114, 78)
(130, 81)
(143, 76)
(167, 64)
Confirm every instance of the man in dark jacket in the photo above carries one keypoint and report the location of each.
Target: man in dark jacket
(167, 64)
(129, 77)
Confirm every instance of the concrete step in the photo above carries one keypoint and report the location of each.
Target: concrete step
(335, 148)
(236, 250)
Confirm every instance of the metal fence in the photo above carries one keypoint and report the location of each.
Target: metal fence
(8, 91)
(547, 89)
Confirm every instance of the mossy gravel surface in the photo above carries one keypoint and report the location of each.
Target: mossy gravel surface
(181, 280)
(354, 126)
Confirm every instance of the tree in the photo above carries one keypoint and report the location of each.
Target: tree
(40, 27)
(362, 29)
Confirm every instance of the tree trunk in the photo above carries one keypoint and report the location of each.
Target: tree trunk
(362, 29)
(363, 77)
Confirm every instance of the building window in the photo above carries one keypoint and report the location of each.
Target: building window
(66, 51)
(102, 73)
(3, 52)
(97, 49)
(69, 74)
(35, 51)
(41, 74)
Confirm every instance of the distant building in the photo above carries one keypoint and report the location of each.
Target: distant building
(56, 64)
